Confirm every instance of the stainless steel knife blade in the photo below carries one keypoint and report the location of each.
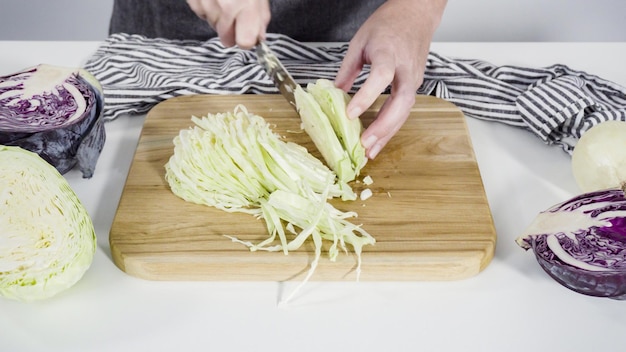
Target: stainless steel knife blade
(275, 69)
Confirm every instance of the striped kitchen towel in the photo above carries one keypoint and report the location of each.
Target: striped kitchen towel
(556, 103)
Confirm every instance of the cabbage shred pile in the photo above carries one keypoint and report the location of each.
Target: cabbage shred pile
(234, 161)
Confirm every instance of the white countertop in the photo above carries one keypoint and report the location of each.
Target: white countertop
(511, 306)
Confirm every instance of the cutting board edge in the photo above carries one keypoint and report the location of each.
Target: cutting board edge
(436, 266)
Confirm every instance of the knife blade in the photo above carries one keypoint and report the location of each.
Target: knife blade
(275, 69)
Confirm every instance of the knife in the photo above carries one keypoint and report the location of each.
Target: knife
(275, 69)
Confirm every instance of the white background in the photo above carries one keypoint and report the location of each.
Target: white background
(464, 20)
(512, 306)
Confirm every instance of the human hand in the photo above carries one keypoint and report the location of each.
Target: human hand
(395, 41)
(240, 22)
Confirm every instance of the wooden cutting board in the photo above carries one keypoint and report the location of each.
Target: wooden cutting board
(428, 213)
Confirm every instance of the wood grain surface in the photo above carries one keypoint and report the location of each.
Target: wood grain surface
(428, 213)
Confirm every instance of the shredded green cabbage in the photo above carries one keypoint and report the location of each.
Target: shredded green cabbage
(235, 162)
(322, 108)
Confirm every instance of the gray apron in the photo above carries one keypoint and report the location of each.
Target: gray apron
(302, 20)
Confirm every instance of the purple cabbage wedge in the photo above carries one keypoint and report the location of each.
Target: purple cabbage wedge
(581, 243)
(55, 112)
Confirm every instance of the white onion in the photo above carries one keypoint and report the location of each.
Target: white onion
(599, 158)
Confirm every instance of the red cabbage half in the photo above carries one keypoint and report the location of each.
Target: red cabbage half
(581, 243)
(55, 112)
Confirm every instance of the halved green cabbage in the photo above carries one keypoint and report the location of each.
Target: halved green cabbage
(47, 239)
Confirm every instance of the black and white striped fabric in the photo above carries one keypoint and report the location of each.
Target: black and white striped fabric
(555, 103)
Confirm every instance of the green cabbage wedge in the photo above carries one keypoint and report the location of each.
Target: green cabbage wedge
(322, 108)
(47, 239)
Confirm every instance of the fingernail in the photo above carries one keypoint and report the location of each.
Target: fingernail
(369, 141)
(375, 150)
